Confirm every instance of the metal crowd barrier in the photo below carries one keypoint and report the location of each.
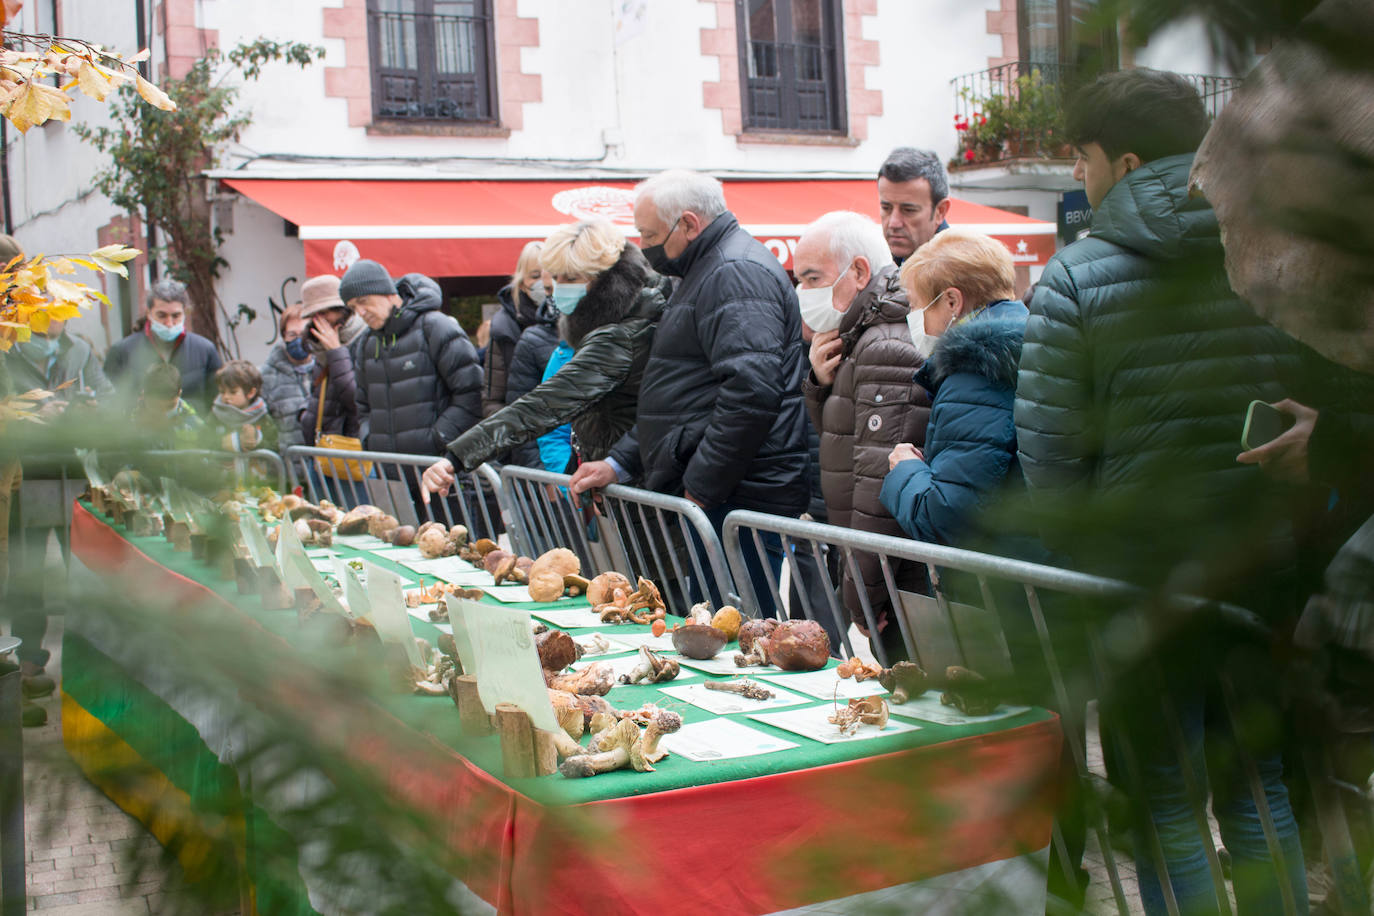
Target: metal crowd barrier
(392, 484)
(667, 539)
(940, 629)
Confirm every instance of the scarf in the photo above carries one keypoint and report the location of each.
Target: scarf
(233, 417)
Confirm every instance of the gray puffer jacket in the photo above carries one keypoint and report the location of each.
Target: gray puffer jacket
(1138, 365)
(286, 392)
(419, 384)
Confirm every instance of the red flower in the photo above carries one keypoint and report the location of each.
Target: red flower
(968, 155)
(982, 119)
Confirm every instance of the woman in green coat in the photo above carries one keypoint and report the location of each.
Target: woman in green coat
(610, 300)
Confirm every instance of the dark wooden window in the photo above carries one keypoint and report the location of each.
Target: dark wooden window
(431, 60)
(1067, 33)
(792, 64)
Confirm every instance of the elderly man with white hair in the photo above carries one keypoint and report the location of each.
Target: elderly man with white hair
(859, 391)
(720, 417)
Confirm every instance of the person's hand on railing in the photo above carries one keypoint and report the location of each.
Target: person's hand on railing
(592, 476)
(903, 451)
(437, 478)
(1285, 456)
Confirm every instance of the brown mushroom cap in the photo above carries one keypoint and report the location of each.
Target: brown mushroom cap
(377, 525)
(433, 543)
(561, 560)
(601, 588)
(545, 584)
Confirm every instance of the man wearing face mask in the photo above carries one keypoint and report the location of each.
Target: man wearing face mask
(859, 392)
(720, 417)
(165, 338)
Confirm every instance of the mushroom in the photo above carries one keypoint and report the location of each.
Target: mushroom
(557, 650)
(402, 536)
(728, 621)
(665, 723)
(700, 614)
(380, 524)
(600, 727)
(601, 589)
(545, 585)
(642, 606)
(904, 680)
(576, 585)
(863, 711)
(589, 706)
(508, 570)
(482, 546)
(491, 560)
(595, 679)
(457, 537)
(355, 520)
(651, 669)
(969, 692)
(618, 743)
(428, 525)
(859, 669)
(547, 573)
(433, 543)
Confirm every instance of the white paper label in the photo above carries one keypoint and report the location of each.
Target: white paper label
(827, 685)
(723, 703)
(510, 671)
(813, 722)
(389, 611)
(928, 708)
(571, 618)
(721, 739)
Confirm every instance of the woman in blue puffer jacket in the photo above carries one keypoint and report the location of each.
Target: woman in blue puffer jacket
(938, 494)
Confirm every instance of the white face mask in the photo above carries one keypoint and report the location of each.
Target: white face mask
(916, 325)
(818, 306)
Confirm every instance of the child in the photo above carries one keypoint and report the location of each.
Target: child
(170, 421)
(240, 411)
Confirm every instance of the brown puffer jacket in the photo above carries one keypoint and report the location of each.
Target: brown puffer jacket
(872, 405)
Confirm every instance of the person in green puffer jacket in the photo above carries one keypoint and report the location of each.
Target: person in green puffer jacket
(1138, 364)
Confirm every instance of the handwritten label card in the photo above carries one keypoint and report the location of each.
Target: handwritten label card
(389, 611)
(509, 669)
(721, 739)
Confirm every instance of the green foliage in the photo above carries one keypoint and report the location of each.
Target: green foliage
(157, 160)
(1026, 120)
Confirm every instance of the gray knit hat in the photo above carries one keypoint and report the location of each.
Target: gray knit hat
(366, 278)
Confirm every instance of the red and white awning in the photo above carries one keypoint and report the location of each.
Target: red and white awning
(477, 228)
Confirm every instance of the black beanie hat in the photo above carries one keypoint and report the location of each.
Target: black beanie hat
(366, 278)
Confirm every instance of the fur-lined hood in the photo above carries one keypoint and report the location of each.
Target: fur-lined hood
(986, 344)
(613, 296)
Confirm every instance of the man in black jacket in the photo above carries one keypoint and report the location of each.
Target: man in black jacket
(164, 337)
(720, 417)
(418, 381)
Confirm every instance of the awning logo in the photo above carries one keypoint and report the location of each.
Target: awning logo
(614, 204)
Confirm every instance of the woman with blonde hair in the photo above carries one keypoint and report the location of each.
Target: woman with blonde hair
(609, 301)
(523, 308)
(972, 325)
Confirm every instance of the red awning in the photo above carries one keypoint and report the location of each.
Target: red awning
(477, 228)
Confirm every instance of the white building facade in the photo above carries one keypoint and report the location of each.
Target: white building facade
(509, 103)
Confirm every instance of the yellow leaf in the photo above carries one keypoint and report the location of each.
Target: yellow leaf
(39, 322)
(97, 294)
(118, 253)
(93, 83)
(112, 266)
(141, 55)
(36, 103)
(154, 96)
(34, 394)
(67, 312)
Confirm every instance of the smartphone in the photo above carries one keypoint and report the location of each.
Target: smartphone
(1263, 424)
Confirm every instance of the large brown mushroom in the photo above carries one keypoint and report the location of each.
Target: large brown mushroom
(557, 650)
(596, 679)
(602, 588)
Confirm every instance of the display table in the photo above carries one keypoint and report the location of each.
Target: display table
(749, 835)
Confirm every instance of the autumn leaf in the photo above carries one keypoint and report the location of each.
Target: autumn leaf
(154, 96)
(118, 253)
(92, 82)
(36, 103)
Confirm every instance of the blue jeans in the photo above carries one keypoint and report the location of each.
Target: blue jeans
(772, 546)
(1256, 877)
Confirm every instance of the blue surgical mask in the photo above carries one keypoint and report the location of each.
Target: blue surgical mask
(567, 295)
(296, 350)
(166, 334)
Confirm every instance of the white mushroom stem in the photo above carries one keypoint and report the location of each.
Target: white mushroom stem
(592, 764)
(566, 746)
(665, 723)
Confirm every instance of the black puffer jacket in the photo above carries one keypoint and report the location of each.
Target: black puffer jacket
(194, 356)
(1139, 362)
(418, 381)
(517, 313)
(720, 409)
(527, 365)
(597, 390)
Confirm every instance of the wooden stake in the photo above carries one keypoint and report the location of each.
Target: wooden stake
(545, 753)
(200, 546)
(471, 716)
(167, 523)
(180, 535)
(275, 596)
(517, 742)
(245, 576)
